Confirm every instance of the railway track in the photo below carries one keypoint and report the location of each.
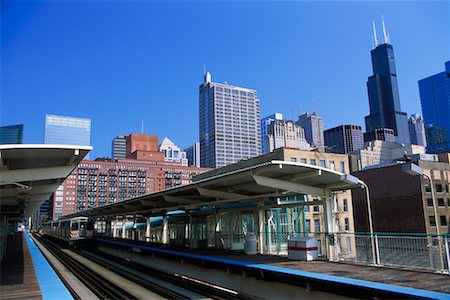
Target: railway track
(170, 286)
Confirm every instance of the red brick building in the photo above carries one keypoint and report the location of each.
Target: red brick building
(101, 182)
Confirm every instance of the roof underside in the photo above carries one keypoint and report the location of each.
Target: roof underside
(29, 174)
(251, 184)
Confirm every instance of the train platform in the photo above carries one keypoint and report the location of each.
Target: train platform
(26, 274)
(387, 282)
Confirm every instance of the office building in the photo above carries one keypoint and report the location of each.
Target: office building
(12, 134)
(402, 202)
(313, 125)
(265, 122)
(343, 139)
(384, 99)
(67, 131)
(229, 123)
(417, 130)
(193, 155)
(172, 152)
(380, 134)
(119, 147)
(284, 134)
(435, 101)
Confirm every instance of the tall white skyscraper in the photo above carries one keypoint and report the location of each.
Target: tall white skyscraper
(229, 123)
(313, 125)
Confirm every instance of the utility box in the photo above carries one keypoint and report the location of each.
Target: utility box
(303, 248)
(250, 245)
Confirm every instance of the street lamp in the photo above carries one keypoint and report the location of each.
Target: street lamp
(369, 211)
(415, 170)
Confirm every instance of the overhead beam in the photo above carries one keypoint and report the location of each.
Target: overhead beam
(34, 174)
(289, 186)
(179, 200)
(219, 194)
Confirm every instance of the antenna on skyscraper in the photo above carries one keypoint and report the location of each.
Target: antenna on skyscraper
(313, 104)
(374, 34)
(301, 109)
(204, 69)
(386, 37)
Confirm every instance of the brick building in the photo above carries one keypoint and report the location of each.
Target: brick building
(100, 182)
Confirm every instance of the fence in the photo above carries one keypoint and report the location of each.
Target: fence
(414, 251)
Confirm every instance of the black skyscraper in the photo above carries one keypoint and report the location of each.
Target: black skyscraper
(384, 100)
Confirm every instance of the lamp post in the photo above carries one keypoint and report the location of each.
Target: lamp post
(416, 170)
(369, 212)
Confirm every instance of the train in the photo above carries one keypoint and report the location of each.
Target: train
(73, 231)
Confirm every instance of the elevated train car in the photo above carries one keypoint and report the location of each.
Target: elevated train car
(74, 231)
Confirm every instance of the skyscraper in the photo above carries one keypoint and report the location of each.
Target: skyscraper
(313, 125)
(435, 101)
(285, 133)
(344, 138)
(384, 100)
(119, 147)
(12, 134)
(265, 122)
(229, 123)
(417, 130)
(67, 130)
(172, 152)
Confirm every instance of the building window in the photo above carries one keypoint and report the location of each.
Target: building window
(441, 202)
(293, 159)
(308, 226)
(432, 221)
(439, 188)
(345, 205)
(430, 201)
(312, 162)
(316, 208)
(316, 225)
(332, 165)
(347, 224)
(322, 163)
(427, 188)
(342, 167)
(443, 220)
(303, 160)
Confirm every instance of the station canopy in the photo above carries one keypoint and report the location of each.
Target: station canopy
(31, 173)
(242, 185)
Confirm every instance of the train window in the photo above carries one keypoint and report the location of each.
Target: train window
(75, 226)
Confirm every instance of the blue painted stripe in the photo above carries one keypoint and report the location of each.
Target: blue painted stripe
(51, 285)
(383, 287)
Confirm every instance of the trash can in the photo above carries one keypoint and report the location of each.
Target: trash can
(250, 245)
(303, 248)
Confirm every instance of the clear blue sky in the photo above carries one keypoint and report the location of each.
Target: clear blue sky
(120, 62)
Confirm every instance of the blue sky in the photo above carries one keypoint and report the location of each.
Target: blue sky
(121, 62)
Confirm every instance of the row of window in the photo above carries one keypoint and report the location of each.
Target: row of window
(442, 219)
(440, 202)
(322, 163)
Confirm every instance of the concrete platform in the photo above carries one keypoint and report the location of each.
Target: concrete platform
(411, 282)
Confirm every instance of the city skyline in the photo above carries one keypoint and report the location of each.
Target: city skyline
(69, 53)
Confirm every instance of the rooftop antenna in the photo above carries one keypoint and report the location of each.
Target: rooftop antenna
(314, 104)
(386, 37)
(374, 34)
(142, 126)
(204, 69)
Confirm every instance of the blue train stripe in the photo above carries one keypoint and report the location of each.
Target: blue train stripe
(51, 285)
(383, 287)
